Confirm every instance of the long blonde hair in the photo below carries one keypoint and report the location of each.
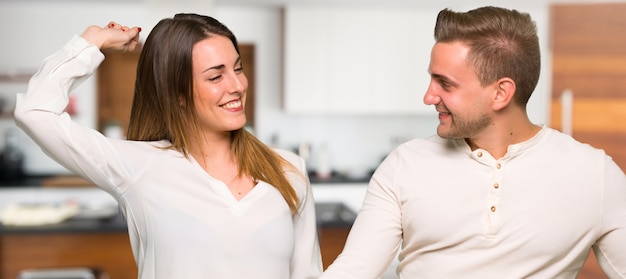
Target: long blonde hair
(164, 80)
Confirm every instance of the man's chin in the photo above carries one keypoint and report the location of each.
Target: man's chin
(443, 132)
(447, 134)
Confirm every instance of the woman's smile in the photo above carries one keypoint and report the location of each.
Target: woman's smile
(234, 105)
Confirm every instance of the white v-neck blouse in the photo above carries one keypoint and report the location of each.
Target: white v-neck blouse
(182, 222)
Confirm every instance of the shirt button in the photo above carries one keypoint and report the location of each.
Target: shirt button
(493, 208)
(498, 166)
(496, 185)
(480, 154)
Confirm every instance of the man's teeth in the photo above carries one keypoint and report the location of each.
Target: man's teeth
(233, 104)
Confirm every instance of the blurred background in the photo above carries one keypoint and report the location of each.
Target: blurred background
(338, 81)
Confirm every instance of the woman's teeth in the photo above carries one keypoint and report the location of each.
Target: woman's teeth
(233, 104)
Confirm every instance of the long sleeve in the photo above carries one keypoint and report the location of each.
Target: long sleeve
(306, 262)
(610, 249)
(40, 113)
(375, 236)
(173, 208)
(533, 213)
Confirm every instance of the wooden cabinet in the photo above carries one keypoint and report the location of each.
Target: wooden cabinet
(332, 240)
(108, 252)
(347, 60)
(589, 58)
(116, 87)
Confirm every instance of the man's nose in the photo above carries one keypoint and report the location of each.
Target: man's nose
(430, 97)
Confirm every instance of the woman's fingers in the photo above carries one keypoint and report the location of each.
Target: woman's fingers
(116, 25)
(127, 41)
(122, 38)
(113, 36)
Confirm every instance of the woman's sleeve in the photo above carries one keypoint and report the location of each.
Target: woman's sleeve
(376, 234)
(306, 262)
(40, 113)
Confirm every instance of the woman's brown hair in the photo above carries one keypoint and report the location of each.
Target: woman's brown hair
(164, 81)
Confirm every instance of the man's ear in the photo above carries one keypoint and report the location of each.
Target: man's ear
(505, 90)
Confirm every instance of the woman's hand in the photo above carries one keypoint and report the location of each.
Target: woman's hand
(113, 36)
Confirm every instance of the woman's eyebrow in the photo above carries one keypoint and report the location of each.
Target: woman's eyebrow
(218, 67)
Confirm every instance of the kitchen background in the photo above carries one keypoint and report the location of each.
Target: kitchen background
(354, 124)
(350, 112)
(355, 140)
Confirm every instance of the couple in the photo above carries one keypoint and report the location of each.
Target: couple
(491, 196)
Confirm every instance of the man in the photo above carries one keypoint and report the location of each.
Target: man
(492, 195)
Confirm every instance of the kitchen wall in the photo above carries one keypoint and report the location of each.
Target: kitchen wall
(354, 141)
(33, 29)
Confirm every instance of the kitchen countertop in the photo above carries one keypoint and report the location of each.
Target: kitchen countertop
(114, 224)
(90, 197)
(336, 205)
(46, 180)
(330, 212)
(71, 180)
(22, 182)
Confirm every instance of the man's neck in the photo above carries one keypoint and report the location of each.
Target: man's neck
(496, 140)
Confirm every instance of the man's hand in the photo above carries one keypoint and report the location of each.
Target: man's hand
(113, 36)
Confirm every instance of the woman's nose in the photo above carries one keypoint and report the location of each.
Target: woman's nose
(238, 82)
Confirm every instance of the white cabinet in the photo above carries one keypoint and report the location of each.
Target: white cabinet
(367, 60)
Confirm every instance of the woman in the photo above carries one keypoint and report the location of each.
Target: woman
(202, 197)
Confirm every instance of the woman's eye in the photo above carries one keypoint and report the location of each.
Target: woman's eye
(239, 69)
(214, 78)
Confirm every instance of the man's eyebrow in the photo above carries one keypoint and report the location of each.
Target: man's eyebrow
(441, 77)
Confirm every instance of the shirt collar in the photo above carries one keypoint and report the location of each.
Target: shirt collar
(512, 151)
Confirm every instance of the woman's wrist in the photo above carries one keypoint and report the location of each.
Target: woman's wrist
(91, 35)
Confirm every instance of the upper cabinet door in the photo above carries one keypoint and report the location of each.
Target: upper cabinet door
(356, 60)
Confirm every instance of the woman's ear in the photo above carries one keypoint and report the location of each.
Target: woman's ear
(505, 90)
